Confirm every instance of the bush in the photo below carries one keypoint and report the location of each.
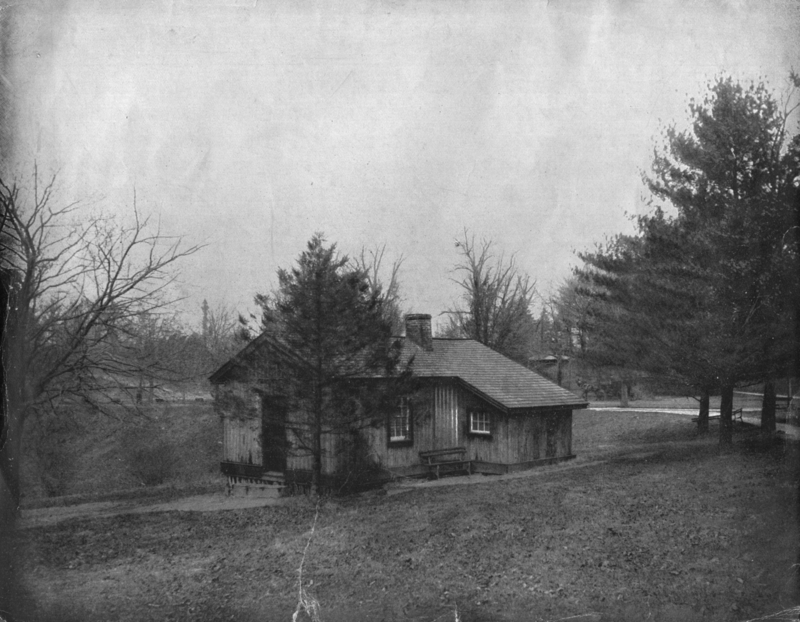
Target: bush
(52, 440)
(360, 467)
(152, 462)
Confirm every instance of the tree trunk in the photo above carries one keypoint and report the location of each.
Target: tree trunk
(768, 408)
(11, 452)
(10, 456)
(316, 470)
(623, 394)
(702, 415)
(726, 416)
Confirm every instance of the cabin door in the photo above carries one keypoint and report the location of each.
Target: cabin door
(551, 431)
(445, 421)
(273, 433)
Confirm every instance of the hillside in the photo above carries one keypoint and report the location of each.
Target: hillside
(90, 454)
(650, 522)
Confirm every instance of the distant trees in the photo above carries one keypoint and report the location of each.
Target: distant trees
(562, 326)
(496, 300)
(370, 263)
(334, 315)
(709, 293)
(220, 334)
(76, 289)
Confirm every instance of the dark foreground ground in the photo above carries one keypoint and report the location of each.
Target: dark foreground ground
(650, 523)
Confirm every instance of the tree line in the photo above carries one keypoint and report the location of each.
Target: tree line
(706, 290)
(704, 293)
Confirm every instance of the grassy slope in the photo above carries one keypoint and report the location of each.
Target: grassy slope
(97, 453)
(677, 532)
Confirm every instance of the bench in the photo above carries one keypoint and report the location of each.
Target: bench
(452, 457)
(736, 415)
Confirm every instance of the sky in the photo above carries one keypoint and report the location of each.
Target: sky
(248, 126)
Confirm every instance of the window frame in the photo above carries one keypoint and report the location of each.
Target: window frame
(486, 419)
(402, 404)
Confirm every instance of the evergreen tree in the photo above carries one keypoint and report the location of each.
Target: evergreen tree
(329, 313)
(710, 293)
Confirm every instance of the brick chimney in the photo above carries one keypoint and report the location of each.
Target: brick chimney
(418, 330)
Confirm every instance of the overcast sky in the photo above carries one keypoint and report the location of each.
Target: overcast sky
(251, 125)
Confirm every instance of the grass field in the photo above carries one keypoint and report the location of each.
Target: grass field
(650, 522)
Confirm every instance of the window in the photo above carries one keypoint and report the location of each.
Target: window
(480, 423)
(400, 422)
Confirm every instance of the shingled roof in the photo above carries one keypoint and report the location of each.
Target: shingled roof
(495, 377)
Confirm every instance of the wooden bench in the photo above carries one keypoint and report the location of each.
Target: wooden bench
(736, 415)
(452, 457)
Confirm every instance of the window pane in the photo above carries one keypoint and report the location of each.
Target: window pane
(479, 423)
(399, 426)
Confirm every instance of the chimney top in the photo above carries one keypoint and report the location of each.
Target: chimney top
(418, 330)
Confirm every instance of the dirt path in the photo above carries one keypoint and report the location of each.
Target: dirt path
(215, 502)
(197, 503)
(220, 501)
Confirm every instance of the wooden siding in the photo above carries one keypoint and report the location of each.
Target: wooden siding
(240, 409)
(446, 417)
(242, 440)
(440, 420)
(300, 459)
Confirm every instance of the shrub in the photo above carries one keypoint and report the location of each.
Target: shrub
(152, 462)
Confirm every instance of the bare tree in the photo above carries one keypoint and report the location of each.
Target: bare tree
(497, 299)
(74, 290)
(220, 324)
(370, 262)
(156, 352)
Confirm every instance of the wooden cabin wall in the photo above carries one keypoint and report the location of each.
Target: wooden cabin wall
(449, 408)
(440, 413)
(441, 421)
(240, 410)
(494, 449)
(300, 459)
(242, 441)
(423, 434)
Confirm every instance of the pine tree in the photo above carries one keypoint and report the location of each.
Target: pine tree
(328, 312)
(710, 293)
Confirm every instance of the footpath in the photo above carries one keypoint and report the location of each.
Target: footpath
(214, 502)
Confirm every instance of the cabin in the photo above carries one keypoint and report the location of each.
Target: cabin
(472, 410)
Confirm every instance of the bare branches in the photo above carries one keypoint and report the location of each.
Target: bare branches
(370, 263)
(77, 291)
(497, 298)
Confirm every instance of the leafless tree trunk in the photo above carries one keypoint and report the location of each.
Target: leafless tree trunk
(497, 300)
(702, 415)
(370, 262)
(726, 416)
(74, 289)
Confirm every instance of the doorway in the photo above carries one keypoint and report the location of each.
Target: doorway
(274, 443)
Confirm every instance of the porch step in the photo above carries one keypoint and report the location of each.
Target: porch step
(254, 488)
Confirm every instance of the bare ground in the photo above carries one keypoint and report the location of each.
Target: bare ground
(648, 523)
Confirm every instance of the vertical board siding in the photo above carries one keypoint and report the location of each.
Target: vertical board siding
(440, 420)
(300, 459)
(242, 440)
(297, 458)
(445, 416)
(240, 410)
